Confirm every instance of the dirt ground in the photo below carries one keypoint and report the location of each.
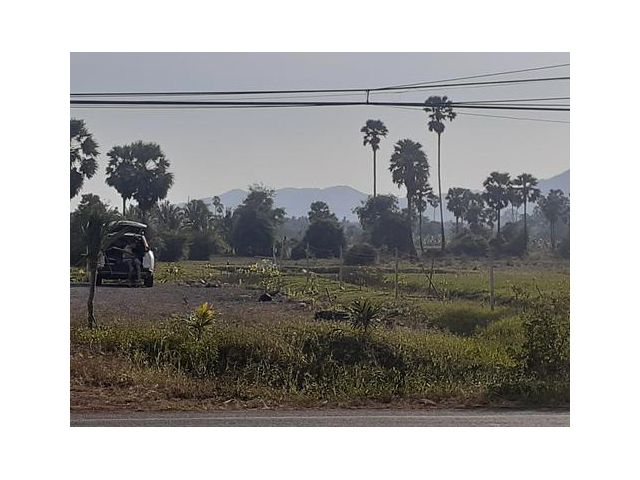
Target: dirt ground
(236, 306)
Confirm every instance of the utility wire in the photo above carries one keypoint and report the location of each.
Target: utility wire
(343, 90)
(307, 104)
(416, 109)
(546, 67)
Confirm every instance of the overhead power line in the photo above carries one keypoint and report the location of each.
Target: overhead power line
(184, 103)
(485, 75)
(331, 90)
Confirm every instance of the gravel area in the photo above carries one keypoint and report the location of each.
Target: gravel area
(235, 305)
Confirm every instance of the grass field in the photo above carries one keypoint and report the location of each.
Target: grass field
(444, 348)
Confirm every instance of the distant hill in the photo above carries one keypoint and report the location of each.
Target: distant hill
(559, 182)
(343, 199)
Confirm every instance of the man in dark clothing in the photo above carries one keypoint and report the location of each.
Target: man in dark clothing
(131, 257)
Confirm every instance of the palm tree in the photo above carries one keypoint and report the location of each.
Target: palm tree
(373, 130)
(515, 199)
(458, 202)
(497, 187)
(197, 216)
(170, 215)
(152, 173)
(434, 201)
(121, 173)
(439, 109)
(409, 167)
(139, 171)
(94, 227)
(84, 154)
(554, 206)
(526, 183)
(422, 194)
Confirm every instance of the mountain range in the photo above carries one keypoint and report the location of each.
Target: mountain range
(342, 199)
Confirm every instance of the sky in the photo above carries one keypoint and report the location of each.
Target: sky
(215, 150)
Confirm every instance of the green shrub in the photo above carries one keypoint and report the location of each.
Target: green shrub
(470, 244)
(364, 313)
(546, 336)
(511, 241)
(202, 245)
(170, 246)
(361, 254)
(299, 251)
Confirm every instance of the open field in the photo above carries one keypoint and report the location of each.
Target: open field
(430, 349)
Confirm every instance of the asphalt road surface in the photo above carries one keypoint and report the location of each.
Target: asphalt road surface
(326, 418)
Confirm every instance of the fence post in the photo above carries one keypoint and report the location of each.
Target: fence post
(396, 276)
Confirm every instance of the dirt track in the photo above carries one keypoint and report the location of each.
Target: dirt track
(235, 305)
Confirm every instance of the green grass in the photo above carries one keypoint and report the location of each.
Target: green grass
(327, 361)
(451, 348)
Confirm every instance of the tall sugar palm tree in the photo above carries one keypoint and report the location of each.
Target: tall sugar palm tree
(84, 154)
(526, 183)
(554, 207)
(373, 130)
(139, 171)
(497, 187)
(409, 167)
(439, 110)
(121, 173)
(422, 195)
(458, 203)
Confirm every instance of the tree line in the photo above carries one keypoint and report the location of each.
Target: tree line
(140, 172)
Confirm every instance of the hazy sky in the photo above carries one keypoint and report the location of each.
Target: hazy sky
(215, 150)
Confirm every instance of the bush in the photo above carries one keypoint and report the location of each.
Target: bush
(202, 245)
(511, 241)
(546, 333)
(299, 251)
(469, 244)
(170, 246)
(361, 254)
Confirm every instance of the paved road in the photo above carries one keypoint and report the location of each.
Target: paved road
(326, 418)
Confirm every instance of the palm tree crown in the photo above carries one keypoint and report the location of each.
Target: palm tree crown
(84, 154)
(373, 130)
(409, 167)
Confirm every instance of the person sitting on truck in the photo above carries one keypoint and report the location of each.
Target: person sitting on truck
(131, 258)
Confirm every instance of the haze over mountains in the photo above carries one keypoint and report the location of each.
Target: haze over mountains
(343, 199)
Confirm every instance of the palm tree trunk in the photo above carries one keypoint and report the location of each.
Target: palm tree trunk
(374, 173)
(498, 222)
(420, 227)
(412, 247)
(124, 207)
(91, 319)
(526, 237)
(457, 224)
(440, 196)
